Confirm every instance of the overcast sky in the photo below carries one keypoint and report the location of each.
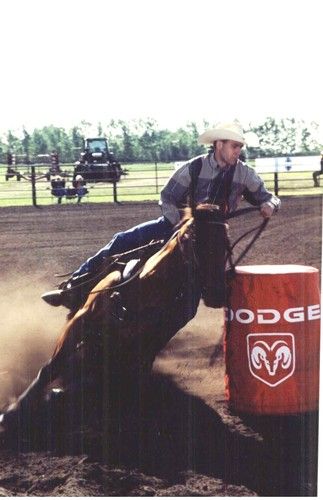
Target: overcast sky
(64, 61)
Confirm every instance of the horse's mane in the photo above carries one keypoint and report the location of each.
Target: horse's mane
(152, 263)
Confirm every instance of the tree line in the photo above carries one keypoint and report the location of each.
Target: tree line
(144, 140)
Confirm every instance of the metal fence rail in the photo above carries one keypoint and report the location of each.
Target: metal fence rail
(288, 182)
(143, 182)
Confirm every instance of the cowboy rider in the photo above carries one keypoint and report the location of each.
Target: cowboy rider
(223, 179)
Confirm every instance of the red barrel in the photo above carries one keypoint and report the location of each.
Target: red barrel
(272, 340)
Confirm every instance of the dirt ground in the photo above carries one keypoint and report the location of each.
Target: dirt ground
(245, 460)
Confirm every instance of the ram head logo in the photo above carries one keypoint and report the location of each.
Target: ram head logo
(271, 357)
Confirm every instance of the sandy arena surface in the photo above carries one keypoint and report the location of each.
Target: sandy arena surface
(212, 452)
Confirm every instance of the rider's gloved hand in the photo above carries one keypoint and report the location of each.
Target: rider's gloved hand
(267, 209)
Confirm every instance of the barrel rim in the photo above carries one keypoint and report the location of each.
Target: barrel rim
(275, 269)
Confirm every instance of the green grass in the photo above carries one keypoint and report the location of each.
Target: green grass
(143, 182)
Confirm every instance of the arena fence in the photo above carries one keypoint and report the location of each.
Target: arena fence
(32, 184)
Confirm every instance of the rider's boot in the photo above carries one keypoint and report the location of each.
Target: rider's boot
(70, 293)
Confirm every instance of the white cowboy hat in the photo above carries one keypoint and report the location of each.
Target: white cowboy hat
(79, 178)
(223, 131)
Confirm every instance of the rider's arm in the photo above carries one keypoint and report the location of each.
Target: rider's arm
(256, 194)
(174, 194)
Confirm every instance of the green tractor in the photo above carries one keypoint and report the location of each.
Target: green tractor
(97, 163)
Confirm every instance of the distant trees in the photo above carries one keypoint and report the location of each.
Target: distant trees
(143, 140)
(285, 137)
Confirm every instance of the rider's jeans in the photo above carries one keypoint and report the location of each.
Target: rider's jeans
(121, 242)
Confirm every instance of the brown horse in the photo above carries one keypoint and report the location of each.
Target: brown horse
(119, 330)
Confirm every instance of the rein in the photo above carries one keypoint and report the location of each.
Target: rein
(115, 259)
(259, 229)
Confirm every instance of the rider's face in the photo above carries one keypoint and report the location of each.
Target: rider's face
(227, 152)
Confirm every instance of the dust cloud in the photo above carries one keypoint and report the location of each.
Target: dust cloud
(29, 329)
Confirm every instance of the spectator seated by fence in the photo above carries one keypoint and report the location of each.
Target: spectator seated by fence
(76, 190)
(58, 188)
(79, 187)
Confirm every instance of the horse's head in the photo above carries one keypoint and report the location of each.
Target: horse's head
(211, 242)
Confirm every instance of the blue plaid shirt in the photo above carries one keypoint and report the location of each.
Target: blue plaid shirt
(175, 192)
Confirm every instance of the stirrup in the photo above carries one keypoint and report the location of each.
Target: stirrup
(70, 293)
